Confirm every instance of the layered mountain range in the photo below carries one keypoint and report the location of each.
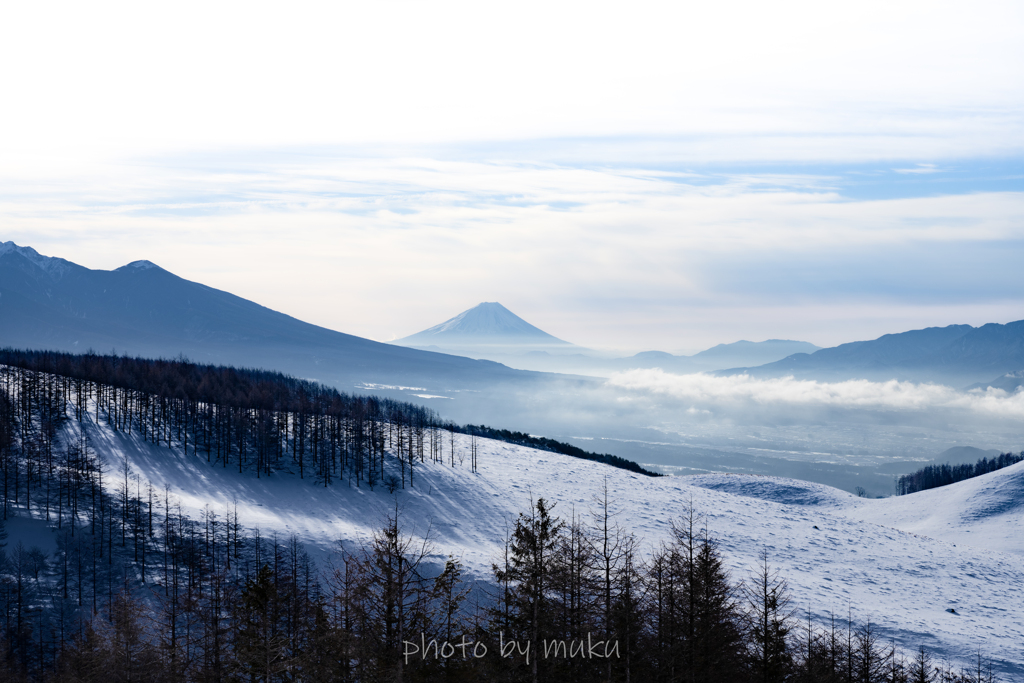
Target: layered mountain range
(956, 355)
(140, 308)
(491, 331)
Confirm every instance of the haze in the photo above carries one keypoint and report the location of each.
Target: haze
(668, 178)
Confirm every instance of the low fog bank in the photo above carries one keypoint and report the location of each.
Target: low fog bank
(729, 394)
(575, 360)
(846, 434)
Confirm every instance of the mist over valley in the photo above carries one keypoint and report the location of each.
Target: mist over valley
(835, 421)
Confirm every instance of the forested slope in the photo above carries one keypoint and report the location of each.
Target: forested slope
(251, 418)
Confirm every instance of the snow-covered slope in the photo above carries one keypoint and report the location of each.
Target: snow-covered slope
(886, 563)
(986, 512)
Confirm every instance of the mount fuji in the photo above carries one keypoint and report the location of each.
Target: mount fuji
(488, 327)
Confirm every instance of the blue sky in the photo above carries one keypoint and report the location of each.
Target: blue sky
(669, 176)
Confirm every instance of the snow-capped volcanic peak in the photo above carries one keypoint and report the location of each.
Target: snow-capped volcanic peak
(489, 322)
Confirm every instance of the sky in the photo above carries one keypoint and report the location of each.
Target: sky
(653, 176)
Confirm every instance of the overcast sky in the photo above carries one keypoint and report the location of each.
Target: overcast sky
(635, 176)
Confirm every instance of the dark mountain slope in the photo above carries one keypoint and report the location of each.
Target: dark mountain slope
(957, 354)
(144, 310)
(990, 349)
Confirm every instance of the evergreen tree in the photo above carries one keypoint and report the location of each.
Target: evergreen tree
(532, 554)
(769, 622)
(259, 644)
(717, 647)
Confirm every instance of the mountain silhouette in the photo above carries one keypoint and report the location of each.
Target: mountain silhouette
(956, 355)
(142, 309)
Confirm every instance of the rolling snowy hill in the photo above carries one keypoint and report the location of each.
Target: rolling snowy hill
(899, 562)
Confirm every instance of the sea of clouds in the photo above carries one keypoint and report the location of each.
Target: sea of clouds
(706, 394)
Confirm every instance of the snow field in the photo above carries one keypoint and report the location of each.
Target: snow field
(898, 562)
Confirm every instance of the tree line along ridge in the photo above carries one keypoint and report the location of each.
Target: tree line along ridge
(934, 476)
(260, 419)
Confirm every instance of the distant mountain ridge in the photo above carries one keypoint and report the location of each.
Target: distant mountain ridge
(1009, 382)
(764, 352)
(140, 308)
(960, 455)
(956, 354)
(489, 330)
(717, 357)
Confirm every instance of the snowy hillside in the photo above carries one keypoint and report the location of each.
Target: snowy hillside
(985, 512)
(900, 562)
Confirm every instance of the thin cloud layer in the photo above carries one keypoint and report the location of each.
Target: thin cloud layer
(629, 257)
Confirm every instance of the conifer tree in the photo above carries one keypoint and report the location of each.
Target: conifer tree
(767, 604)
(259, 644)
(534, 542)
(718, 641)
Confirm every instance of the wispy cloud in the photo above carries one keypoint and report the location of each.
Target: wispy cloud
(920, 169)
(605, 256)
